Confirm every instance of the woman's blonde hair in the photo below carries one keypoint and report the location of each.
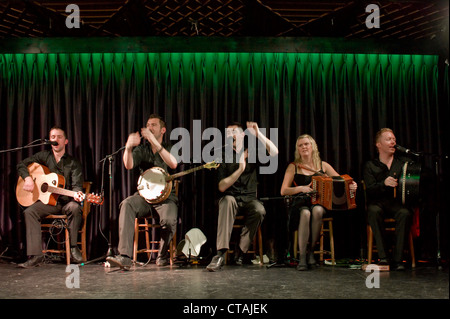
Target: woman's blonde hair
(317, 162)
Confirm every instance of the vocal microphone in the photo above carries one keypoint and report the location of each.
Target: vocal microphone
(46, 141)
(405, 150)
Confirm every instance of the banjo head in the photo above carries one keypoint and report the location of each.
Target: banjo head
(152, 185)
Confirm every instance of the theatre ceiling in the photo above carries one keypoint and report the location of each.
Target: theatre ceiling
(399, 19)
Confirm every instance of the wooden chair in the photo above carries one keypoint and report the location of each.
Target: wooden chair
(257, 241)
(60, 220)
(389, 222)
(327, 227)
(371, 248)
(151, 224)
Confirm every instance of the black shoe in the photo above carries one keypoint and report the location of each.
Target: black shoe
(123, 262)
(162, 261)
(312, 262)
(399, 267)
(216, 263)
(75, 255)
(32, 262)
(302, 267)
(383, 262)
(238, 256)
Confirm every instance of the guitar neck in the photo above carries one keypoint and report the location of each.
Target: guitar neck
(61, 191)
(172, 177)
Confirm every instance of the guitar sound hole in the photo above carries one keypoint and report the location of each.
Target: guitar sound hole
(44, 187)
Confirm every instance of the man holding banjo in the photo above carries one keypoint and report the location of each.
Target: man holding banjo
(145, 156)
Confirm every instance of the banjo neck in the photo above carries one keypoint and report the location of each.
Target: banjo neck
(172, 177)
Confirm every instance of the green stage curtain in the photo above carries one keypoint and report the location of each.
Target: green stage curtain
(342, 100)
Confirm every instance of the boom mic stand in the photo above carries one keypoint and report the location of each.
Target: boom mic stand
(32, 144)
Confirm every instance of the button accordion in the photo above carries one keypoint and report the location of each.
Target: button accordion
(333, 193)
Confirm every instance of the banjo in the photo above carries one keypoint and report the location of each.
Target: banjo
(155, 184)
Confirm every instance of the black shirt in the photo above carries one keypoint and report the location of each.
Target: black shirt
(374, 174)
(245, 187)
(68, 166)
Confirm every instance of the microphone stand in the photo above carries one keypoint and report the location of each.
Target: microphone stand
(108, 158)
(435, 159)
(288, 201)
(32, 144)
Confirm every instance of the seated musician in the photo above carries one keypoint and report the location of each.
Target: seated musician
(153, 152)
(238, 185)
(298, 181)
(58, 161)
(381, 178)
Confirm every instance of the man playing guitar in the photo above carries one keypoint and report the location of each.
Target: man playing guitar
(59, 162)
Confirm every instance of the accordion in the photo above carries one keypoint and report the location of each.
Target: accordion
(333, 193)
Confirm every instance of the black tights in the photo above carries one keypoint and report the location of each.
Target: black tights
(309, 226)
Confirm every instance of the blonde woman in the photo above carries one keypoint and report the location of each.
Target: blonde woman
(297, 181)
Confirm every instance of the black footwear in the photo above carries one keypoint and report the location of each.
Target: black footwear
(312, 262)
(32, 262)
(123, 262)
(239, 260)
(399, 266)
(383, 262)
(216, 263)
(302, 267)
(162, 261)
(75, 255)
(238, 257)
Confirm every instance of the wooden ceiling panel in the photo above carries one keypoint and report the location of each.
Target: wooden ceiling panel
(400, 19)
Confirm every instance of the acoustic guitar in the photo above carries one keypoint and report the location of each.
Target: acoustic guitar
(47, 188)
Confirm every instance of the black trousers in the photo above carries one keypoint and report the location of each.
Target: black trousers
(36, 212)
(377, 212)
(136, 206)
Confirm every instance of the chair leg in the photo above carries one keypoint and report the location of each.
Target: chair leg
(295, 244)
(173, 247)
(330, 233)
(260, 244)
(411, 251)
(321, 244)
(83, 245)
(369, 244)
(67, 246)
(147, 237)
(136, 238)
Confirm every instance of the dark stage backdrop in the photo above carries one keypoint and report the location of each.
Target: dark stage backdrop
(342, 100)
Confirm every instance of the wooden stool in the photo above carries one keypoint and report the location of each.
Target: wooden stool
(258, 237)
(147, 224)
(321, 251)
(48, 223)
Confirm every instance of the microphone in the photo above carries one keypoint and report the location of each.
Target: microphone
(405, 150)
(46, 141)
